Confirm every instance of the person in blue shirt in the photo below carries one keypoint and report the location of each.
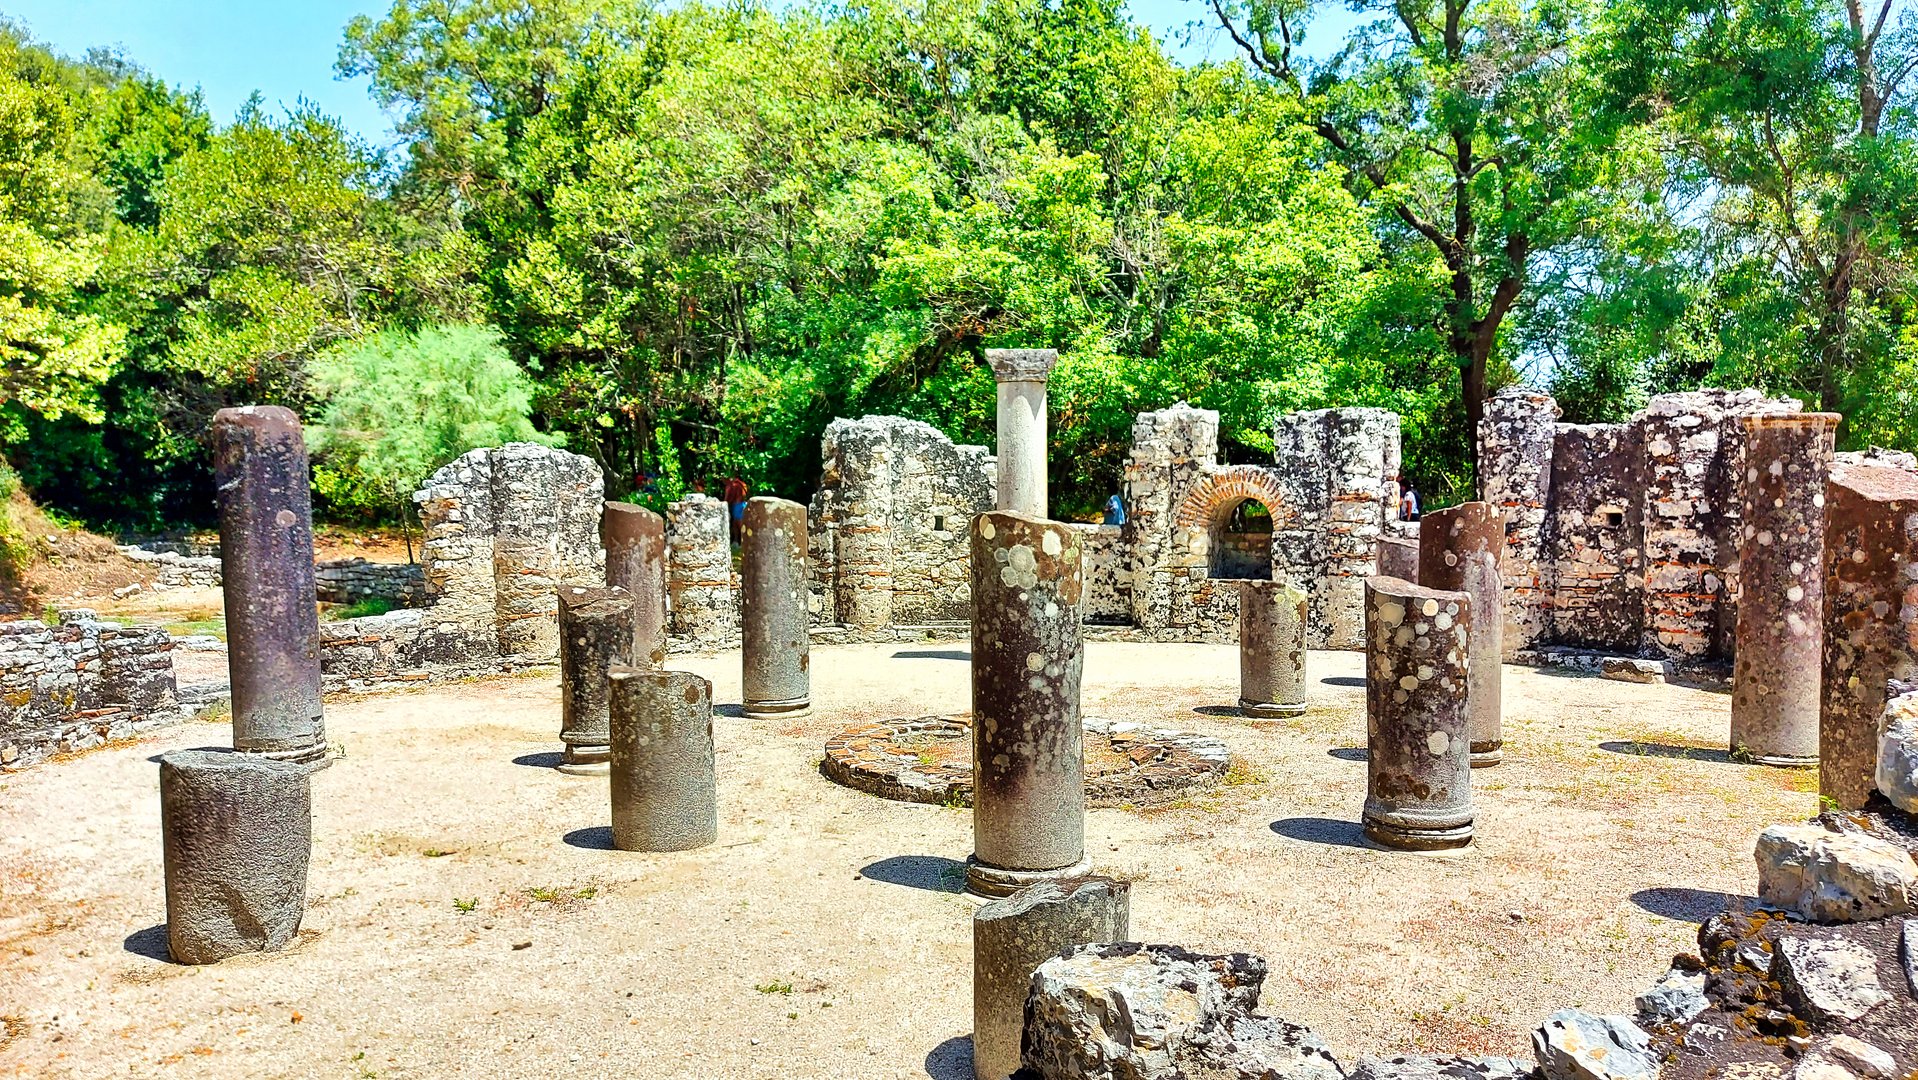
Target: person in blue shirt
(1115, 511)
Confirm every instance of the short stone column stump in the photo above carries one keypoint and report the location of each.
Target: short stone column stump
(238, 831)
(1013, 936)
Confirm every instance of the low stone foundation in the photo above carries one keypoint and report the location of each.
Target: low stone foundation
(929, 760)
(80, 683)
(353, 581)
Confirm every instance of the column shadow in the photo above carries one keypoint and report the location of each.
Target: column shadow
(932, 654)
(933, 873)
(545, 759)
(1350, 753)
(596, 838)
(1634, 748)
(1319, 830)
(1684, 905)
(150, 943)
(951, 1060)
(1356, 681)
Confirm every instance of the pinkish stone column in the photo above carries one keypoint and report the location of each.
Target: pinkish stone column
(1871, 620)
(1458, 552)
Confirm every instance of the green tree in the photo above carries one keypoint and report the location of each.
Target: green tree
(401, 404)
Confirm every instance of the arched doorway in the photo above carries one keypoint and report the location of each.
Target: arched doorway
(1242, 543)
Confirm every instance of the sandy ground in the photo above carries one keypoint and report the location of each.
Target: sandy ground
(823, 937)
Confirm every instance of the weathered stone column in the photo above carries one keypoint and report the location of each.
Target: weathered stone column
(1399, 558)
(1013, 936)
(635, 542)
(1778, 651)
(1871, 631)
(1021, 374)
(1516, 438)
(1459, 552)
(238, 831)
(775, 633)
(1029, 799)
(266, 553)
(1272, 620)
(1418, 761)
(595, 634)
(665, 790)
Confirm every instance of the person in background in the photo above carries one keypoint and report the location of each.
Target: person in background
(1115, 511)
(735, 494)
(1409, 505)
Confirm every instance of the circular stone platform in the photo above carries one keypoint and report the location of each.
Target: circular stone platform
(929, 760)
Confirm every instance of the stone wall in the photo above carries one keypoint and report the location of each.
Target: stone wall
(889, 524)
(173, 570)
(702, 591)
(1620, 537)
(351, 581)
(79, 683)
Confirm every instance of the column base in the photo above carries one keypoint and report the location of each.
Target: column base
(314, 758)
(586, 760)
(1487, 754)
(1785, 761)
(993, 881)
(1266, 710)
(773, 710)
(1399, 838)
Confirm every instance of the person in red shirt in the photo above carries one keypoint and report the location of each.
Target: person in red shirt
(735, 494)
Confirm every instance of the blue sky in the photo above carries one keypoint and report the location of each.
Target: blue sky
(285, 49)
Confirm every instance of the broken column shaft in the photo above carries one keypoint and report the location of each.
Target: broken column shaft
(266, 554)
(595, 634)
(1272, 621)
(1871, 566)
(1418, 751)
(238, 833)
(635, 541)
(1778, 649)
(664, 784)
(1028, 817)
(1013, 936)
(1458, 552)
(775, 632)
(1399, 558)
(1021, 374)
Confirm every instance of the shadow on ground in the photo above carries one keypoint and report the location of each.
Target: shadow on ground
(932, 654)
(1355, 681)
(1350, 753)
(737, 712)
(934, 873)
(1217, 710)
(545, 759)
(1685, 905)
(951, 1060)
(1320, 830)
(1667, 750)
(596, 838)
(150, 943)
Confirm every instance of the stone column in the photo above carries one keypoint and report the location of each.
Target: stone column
(775, 638)
(1029, 799)
(266, 553)
(1399, 558)
(665, 791)
(1272, 620)
(1418, 750)
(1021, 374)
(1516, 437)
(238, 830)
(635, 542)
(1459, 552)
(1871, 630)
(1778, 649)
(595, 634)
(1013, 936)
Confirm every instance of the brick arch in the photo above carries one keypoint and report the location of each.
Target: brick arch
(1208, 503)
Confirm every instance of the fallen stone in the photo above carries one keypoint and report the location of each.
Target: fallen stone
(1632, 669)
(1827, 980)
(1574, 1045)
(1897, 775)
(1828, 876)
(1157, 1012)
(1859, 1057)
(1676, 998)
(1908, 951)
(1440, 1068)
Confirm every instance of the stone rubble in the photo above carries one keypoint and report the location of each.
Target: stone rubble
(1676, 998)
(1897, 773)
(1440, 1068)
(1827, 980)
(1575, 1045)
(1828, 876)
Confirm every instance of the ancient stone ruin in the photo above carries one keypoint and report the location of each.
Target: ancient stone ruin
(79, 683)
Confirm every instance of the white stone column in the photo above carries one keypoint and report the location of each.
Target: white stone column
(1022, 427)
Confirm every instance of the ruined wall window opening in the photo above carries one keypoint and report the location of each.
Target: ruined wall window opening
(1242, 542)
(1610, 517)
(939, 523)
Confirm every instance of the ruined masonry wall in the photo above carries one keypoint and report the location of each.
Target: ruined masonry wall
(702, 592)
(80, 683)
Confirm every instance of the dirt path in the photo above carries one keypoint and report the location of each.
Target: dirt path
(822, 936)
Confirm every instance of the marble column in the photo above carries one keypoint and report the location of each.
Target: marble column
(1778, 647)
(595, 634)
(1871, 629)
(238, 832)
(664, 781)
(1459, 552)
(1028, 815)
(635, 542)
(1013, 936)
(775, 631)
(266, 553)
(1418, 749)
(1021, 374)
(1272, 621)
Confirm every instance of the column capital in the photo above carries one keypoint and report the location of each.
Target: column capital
(1021, 365)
